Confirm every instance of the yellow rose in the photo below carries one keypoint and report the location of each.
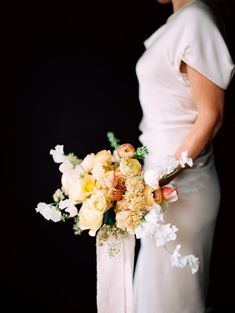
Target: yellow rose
(77, 188)
(89, 218)
(99, 201)
(104, 157)
(130, 167)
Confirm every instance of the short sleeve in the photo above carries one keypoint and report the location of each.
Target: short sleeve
(204, 48)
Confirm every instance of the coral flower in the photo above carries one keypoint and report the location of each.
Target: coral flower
(169, 193)
(126, 150)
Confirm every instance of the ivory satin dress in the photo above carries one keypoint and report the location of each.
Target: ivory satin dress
(190, 34)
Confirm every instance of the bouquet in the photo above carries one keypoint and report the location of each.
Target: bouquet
(111, 195)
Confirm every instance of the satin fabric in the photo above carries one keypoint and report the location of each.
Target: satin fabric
(160, 288)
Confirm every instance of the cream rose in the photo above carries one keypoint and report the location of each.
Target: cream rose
(99, 201)
(89, 218)
(122, 219)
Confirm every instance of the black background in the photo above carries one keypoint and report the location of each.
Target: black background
(71, 78)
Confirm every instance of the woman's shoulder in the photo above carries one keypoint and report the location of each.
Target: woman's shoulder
(198, 14)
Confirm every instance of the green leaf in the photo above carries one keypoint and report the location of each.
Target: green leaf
(109, 217)
(141, 153)
(76, 227)
(74, 159)
(114, 142)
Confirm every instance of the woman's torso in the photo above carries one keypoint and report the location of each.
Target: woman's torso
(164, 92)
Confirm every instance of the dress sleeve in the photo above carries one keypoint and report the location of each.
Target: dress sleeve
(204, 49)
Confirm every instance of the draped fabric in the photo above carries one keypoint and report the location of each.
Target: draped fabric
(114, 277)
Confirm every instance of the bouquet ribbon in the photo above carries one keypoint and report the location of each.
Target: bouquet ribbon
(115, 277)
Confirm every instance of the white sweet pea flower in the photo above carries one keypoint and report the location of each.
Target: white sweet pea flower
(181, 261)
(151, 177)
(49, 212)
(145, 229)
(184, 159)
(151, 222)
(58, 154)
(65, 166)
(155, 214)
(58, 195)
(165, 233)
(69, 206)
(169, 164)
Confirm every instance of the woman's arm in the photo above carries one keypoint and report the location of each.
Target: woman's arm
(209, 99)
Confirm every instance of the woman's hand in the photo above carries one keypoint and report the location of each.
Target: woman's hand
(169, 177)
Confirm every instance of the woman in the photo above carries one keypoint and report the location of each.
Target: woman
(182, 77)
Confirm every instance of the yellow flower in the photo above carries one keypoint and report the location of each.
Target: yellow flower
(130, 167)
(104, 157)
(88, 184)
(99, 201)
(89, 218)
(148, 196)
(76, 187)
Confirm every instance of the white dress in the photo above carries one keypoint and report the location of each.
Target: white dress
(190, 34)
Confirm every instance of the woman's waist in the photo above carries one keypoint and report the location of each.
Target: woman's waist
(162, 145)
(162, 142)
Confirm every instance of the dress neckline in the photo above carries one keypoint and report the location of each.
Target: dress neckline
(174, 14)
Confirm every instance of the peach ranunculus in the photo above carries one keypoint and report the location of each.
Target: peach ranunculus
(106, 180)
(109, 179)
(76, 187)
(125, 150)
(130, 167)
(158, 196)
(99, 201)
(148, 196)
(90, 218)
